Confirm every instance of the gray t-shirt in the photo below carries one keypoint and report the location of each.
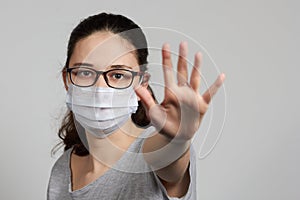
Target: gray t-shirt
(118, 182)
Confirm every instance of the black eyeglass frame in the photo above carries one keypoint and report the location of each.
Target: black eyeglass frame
(99, 73)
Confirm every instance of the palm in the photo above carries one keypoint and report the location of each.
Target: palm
(180, 113)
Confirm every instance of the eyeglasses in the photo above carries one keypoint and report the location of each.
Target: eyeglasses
(114, 78)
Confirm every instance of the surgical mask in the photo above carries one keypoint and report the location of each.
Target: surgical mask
(101, 111)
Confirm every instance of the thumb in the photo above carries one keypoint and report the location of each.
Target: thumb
(155, 112)
(145, 96)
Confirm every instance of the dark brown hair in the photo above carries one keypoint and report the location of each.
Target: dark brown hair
(116, 24)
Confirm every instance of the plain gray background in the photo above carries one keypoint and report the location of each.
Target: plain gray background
(254, 42)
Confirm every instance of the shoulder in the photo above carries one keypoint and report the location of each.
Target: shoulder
(59, 180)
(62, 163)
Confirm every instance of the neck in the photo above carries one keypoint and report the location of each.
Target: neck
(107, 151)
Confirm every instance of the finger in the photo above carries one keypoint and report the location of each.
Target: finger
(182, 73)
(145, 97)
(212, 90)
(195, 75)
(167, 65)
(156, 114)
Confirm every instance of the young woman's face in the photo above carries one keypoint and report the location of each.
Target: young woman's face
(103, 51)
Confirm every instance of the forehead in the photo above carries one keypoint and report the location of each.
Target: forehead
(103, 49)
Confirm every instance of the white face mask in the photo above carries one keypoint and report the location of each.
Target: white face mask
(101, 111)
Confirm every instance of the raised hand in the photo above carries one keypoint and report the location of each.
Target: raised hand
(180, 113)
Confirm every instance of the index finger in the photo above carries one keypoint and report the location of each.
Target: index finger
(195, 76)
(167, 65)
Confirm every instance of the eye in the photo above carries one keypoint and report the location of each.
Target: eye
(120, 75)
(117, 75)
(83, 73)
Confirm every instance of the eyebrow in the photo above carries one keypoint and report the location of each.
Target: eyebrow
(120, 66)
(91, 65)
(83, 64)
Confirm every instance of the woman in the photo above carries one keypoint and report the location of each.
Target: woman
(119, 142)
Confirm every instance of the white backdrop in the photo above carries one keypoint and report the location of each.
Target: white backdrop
(256, 43)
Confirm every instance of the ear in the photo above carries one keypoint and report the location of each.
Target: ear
(64, 76)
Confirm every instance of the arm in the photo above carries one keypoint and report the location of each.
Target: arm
(174, 175)
(176, 120)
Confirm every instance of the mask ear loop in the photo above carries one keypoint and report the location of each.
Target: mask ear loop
(144, 78)
(66, 81)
